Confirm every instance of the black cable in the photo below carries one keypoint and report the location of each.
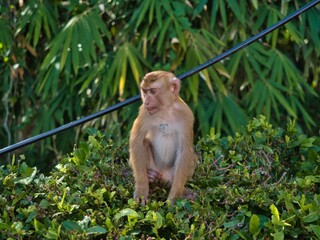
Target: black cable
(69, 125)
(182, 76)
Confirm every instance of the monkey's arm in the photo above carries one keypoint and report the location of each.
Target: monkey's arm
(139, 161)
(185, 163)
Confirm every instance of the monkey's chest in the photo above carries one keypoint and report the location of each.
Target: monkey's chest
(164, 145)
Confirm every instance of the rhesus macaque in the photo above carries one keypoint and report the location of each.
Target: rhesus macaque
(161, 139)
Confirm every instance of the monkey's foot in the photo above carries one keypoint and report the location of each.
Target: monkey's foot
(189, 194)
(141, 197)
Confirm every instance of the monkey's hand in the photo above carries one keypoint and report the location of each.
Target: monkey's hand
(153, 175)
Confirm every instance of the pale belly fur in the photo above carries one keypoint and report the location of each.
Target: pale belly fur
(164, 151)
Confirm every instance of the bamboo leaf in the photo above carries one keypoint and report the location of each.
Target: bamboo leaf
(248, 70)
(151, 11)
(180, 34)
(261, 15)
(163, 32)
(313, 21)
(234, 64)
(217, 115)
(306, 116)
(256, 95)
(282, 101)
(255, 3)
(123, 75)
(95, 20)
(134, 65)
(214, 12)
(142, 13)
(199, 8)
(75, 50)
(37, 29)
(87, 41)
(167, 7)
(223, 13)
(233, 111)
(236, 9)
(159, 13)
(66, 47)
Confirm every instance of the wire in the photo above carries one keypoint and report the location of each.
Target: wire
(182, 76)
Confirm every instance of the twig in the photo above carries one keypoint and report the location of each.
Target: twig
(222, 169)
(280, 180)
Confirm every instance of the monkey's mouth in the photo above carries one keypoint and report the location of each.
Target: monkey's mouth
(152, 110)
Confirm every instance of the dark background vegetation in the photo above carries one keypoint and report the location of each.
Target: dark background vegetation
(62, 60)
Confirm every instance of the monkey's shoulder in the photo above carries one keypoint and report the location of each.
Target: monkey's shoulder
(181, 105)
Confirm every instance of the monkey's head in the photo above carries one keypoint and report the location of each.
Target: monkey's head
(158, 90)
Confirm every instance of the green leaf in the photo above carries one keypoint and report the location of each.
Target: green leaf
(142, 12)
(254, 224)
(237, 9)
(163, 32)
(29, 175)
(275, 212)
(278, 235)
(71, 226)
(96, 230)
(312, 217)
(316, 230)
(38, 226)
(127, 212)
(223, 12)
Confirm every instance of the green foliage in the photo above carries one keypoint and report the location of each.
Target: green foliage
(262, 183)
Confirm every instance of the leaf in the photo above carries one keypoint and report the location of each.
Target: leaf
(254, 224)
(214, 12)
(312, 217)
(142, 12)
(223, 12)
(236, 9)
(199, 7)
(29, 176)
(278, 235)
(96, 230)
(163, 32)
(275, 212)
(134, 64)
(316, 230)
(126, 212)
(38, 226)
(158, 13)
(71, 226)
(123, 74)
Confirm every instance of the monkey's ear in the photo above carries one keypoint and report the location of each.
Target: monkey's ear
(175, 86)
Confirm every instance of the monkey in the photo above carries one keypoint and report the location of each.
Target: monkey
(161, 138)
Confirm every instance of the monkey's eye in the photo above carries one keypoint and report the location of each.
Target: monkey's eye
(153, 91)
(144, 91)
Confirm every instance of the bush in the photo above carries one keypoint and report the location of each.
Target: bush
(262, 183)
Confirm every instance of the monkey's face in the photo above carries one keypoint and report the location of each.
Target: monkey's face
(151, 97)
